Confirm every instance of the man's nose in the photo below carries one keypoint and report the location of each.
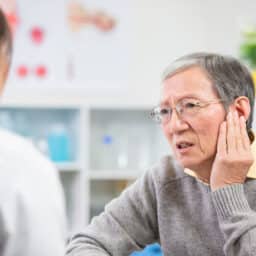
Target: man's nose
(176, 123)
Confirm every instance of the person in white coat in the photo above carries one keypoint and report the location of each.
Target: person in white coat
(32, 208)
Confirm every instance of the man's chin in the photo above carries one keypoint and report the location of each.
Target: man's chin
(188, 163)
(196, 165)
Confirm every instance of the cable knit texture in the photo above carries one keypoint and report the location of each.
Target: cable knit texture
(168, 206)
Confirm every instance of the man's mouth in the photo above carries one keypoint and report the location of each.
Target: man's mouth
(183, 145)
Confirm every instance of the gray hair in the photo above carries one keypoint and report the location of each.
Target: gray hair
(230, 77)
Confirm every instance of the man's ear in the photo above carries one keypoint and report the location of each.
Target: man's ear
(242, 106)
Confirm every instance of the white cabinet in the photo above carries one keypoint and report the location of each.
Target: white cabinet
(98, 151)
(124, 142)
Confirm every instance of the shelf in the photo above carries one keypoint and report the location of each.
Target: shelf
(114, 174)
(88, 189)
(67, 98)
(68, 166)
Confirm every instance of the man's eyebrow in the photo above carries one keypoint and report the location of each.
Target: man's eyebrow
(189, 96)
(164, 103)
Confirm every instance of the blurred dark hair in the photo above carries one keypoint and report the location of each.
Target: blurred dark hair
(5, 38)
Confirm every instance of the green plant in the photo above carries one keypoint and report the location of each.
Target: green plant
(248, 46)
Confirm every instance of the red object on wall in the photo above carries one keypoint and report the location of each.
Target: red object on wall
(37, 35)
(22, 71)
(41, 71)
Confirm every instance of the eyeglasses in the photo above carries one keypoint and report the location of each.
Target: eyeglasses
(185, 108)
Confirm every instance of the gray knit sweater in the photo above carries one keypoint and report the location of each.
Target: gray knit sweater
(178, 211)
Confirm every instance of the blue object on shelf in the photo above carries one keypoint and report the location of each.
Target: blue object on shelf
(107, 139)
(150, 250)
(59, 144)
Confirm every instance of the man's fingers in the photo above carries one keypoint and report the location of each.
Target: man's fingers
(231, 133)
(244, 135)
(237, 136)
(222, 140)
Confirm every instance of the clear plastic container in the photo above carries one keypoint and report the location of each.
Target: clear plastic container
(103, 148)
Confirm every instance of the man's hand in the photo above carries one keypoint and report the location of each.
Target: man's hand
(234, 156)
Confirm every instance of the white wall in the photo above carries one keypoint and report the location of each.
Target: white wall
(166, 29)
(161, 30)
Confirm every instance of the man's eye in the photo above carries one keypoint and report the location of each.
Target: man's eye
(164, 111)
(191, 105)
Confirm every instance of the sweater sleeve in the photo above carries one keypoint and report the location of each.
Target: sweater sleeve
(236, 219)
(128, 223)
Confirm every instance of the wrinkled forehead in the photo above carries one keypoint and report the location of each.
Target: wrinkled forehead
(192, 82)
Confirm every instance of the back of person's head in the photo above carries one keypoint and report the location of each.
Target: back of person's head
(5, 48)
(229, 77)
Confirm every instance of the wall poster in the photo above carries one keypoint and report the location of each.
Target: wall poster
(68, 46)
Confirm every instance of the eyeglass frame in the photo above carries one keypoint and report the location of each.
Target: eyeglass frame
(170, 110)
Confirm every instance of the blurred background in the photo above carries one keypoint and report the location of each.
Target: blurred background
(85, 75)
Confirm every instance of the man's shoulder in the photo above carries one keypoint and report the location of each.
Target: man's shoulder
(166, 170)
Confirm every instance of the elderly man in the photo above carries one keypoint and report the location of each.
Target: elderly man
(32, 210)
(201, 200)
